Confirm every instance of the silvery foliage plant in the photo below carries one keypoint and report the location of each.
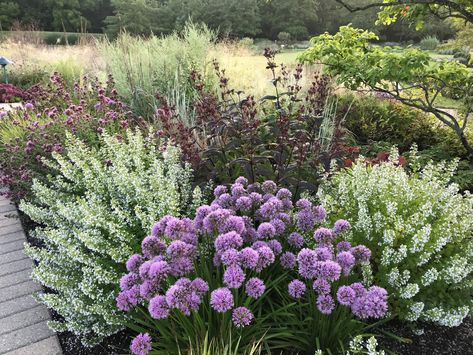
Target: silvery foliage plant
(92, 215)
(419, 228)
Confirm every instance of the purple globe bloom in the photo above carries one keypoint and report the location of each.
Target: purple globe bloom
(144, 269)
(279, 226)
(249, 258)
(275, 246)
(178, 249)
(141, 344)
(346, 260)
(308, 264)
(219, 190)
(148, 289)
(225, 200)
(242, 317)
(134, 262)
(330, 270)
(321, 286)
(228, 241)
(304, 204)
(183, 297)
(221, 299)
(233, 224)
(324, 236)
(346, 296)
(296, 288)
(296, 240)
(255, 187)
(255, 287)
(320, 213)
(256, 198)
(341, 226)
(160, 226)
(241, 180)
(129, 280)
(126, 300)
(269, 187)
(284, 194)
(288, 260)
(244, 203)
(233, 277)
(305, 220)
(215, 219)
(230, 257)
(152, 246)
(325, 304)
(199, 286)
(158, 307)
(271, 208)
(266, 258)
(343, 246)
(258, 244)
(266, 230)
(159, 269)
(200, 214)
(359, 289)
(238, 190)
(181, 266)
(361, 253)
(373, 304)
(323, 254)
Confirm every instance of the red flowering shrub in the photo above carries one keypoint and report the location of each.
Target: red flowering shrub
(10, 94)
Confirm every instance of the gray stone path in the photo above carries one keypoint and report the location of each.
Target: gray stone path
(23, 329)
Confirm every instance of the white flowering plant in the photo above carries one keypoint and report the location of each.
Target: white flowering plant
(419, 229)
(92, 215)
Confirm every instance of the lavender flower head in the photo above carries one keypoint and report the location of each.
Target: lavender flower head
(346, 295)
(158, 307)
(296, 288)
(321, 286)
(296, 240)
(341, 226)
(241, 180)
(269, 187)
(249, 258)
(242, 317)
(266, 230)
(152, 246)
(343, 246)
(234, 277)
(255, 287)
(221, 300)
(141, 344)
(288, 260)
(220, 190)
(324, 236)
(134, 262)
(373, 304)
(325, 304)
(361, 253)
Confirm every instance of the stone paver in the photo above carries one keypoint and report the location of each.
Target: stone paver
(23, 328)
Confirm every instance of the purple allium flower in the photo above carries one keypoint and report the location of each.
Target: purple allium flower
(279, 226)
(346, 295)
(275, 246)
(29, 106)
(325, 304)
(219, 190)
(305, 220)
(346, 260)
(308, 264)
(287, 204)
(159, 269)
(242, 317)
(152, 246)
(230, 257)
(269, 187)
(158, 307)
(255, 287)
(330, 270)
(373, 304)
(324, 236)
(215, 219)
(256, 198)
(228, 241)
(244, 203)
(148, 289)
(144, 269)
(233, 224)
(126, 300)
(3, 114)
(266, 258)
(233, 277)
(288, 260)
(225, 200)
(181, 266)
(238, 190)
(182, 296)
(343, 246)
(320, 213)
(296, 288)
(178, 249)
(341, 226)
(359, 289)
(266, 230)
(129, 280)
(271, 208)
(255, 187)
(141, 344)
(134, 262)
(200, 214)
(258, 244)
(160, 226)
(321, 286)
(296, 240)
(304, 204)
(221, 300)
(284, 194)
(249, 258)
(241, 180)
(361, 253)
(199, 286)
(323, 254)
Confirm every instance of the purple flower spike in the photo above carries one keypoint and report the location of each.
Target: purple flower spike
(242, 317)
(221, 300)
(141, 344)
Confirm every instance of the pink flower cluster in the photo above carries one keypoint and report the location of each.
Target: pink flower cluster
(250, 232)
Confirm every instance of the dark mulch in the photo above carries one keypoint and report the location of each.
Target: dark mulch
(435, 340)
(114, 345)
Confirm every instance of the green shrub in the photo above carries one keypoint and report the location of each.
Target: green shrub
(419, 229)
(25, 76)
(143, 68)
(92, 216)
(429, 43)
(246, 42)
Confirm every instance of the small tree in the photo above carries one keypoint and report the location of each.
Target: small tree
(408, 76)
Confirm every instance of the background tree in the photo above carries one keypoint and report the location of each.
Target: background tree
(9, 13)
